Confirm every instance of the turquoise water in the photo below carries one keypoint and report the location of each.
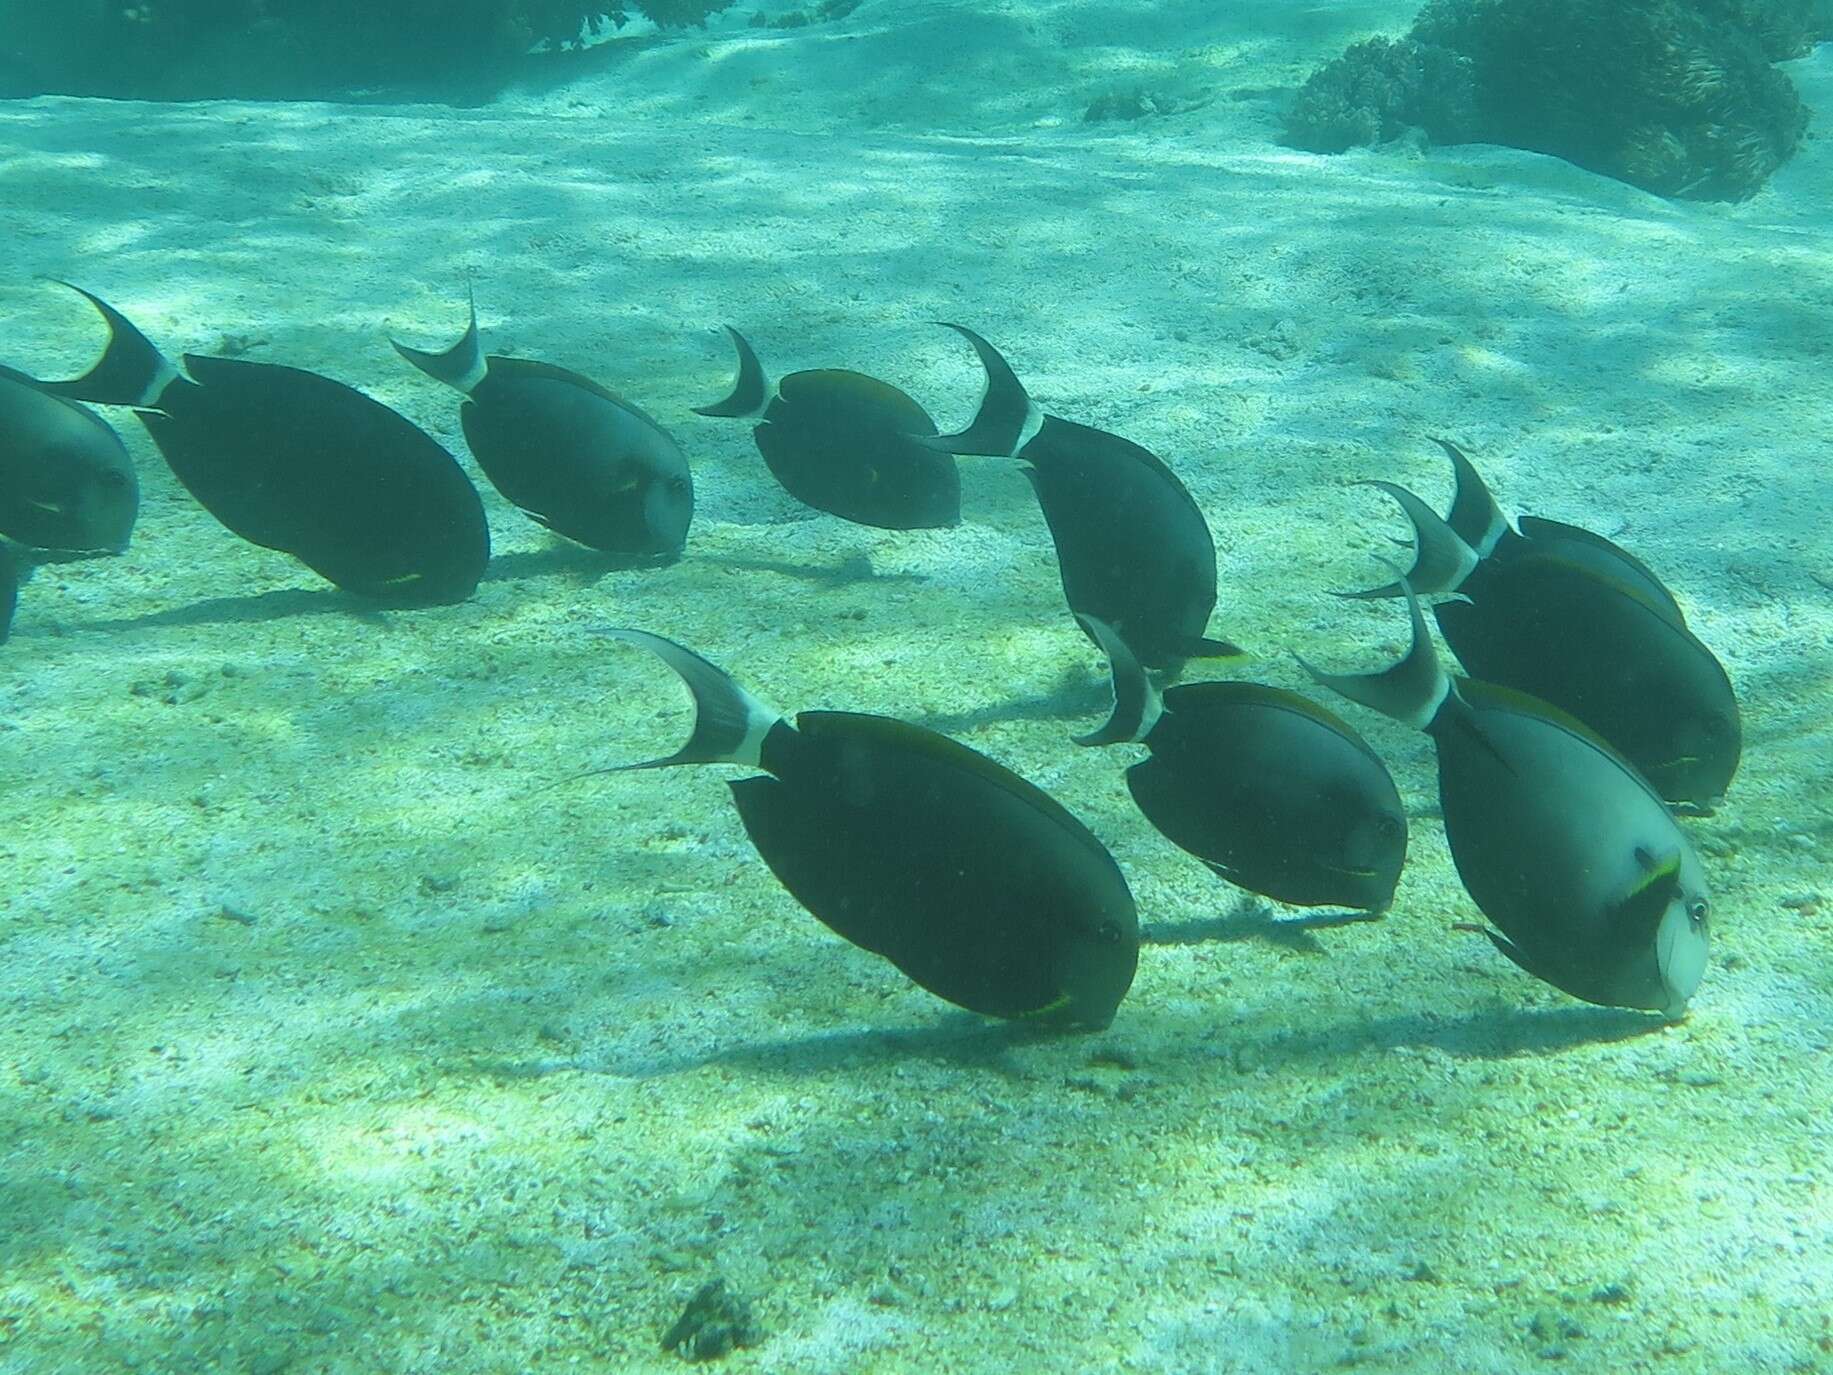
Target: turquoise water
(336, 1040)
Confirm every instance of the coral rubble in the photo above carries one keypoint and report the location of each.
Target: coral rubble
(1679, 97)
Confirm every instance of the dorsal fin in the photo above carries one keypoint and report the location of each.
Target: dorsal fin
(1007, 419)
(920, 741)
(750, 389)
(1606, 556)
(526, 369)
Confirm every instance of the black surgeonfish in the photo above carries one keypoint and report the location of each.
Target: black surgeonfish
(1480, 523)
(973, 882)
(578, 459)
(66, 482)
(293, 461)
(845, 443)
(1132, 547)
(1559, 842)
(1272, 792)
(1571, 620)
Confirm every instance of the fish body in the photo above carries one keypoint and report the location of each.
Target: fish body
(66, 481)
(1133, 549)
(573, 456)
(972, 881)
(354, 491)
(293, 461)
(1601, 650)
(1567, 616)
(1572, 856)
(1586, 549)
(1586, 878)
(1272, 792)
(847, 444)
(1275, 794)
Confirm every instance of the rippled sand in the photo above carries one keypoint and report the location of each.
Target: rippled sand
(334, 1041)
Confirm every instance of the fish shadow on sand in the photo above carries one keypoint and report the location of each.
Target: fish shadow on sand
(1252, 920)
(1487, 1034)
(582, 566)
(1076, 695)
(966, 1041)
(956, 1038)
(276, 605)
(572, 561)
(855, 568)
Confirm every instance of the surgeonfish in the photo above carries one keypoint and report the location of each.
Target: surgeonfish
(576, 458)
(1586, 877)
(845, 443)
(1480, 522)
(973, 882)
(1571, 620)
(293, 461)
(66, 482)
(1272, 792)
(1133, 549)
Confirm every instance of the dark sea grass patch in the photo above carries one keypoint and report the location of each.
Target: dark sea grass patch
(301, 49)
(1678, 97)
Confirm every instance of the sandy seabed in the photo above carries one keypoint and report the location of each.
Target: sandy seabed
(334, 1041)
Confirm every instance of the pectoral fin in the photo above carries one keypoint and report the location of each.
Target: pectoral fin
(1540, 969)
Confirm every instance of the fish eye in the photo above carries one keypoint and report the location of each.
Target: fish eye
(1698, 912)
(1387, 827)
(112, 477)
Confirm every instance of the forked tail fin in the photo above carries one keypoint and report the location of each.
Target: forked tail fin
(1007, 420)
(1137, 703)
(1475, 517)
(461, 367)
(1411, 690)
(729, 723)
(750, 389)
(130, 372)
(1441, 560)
